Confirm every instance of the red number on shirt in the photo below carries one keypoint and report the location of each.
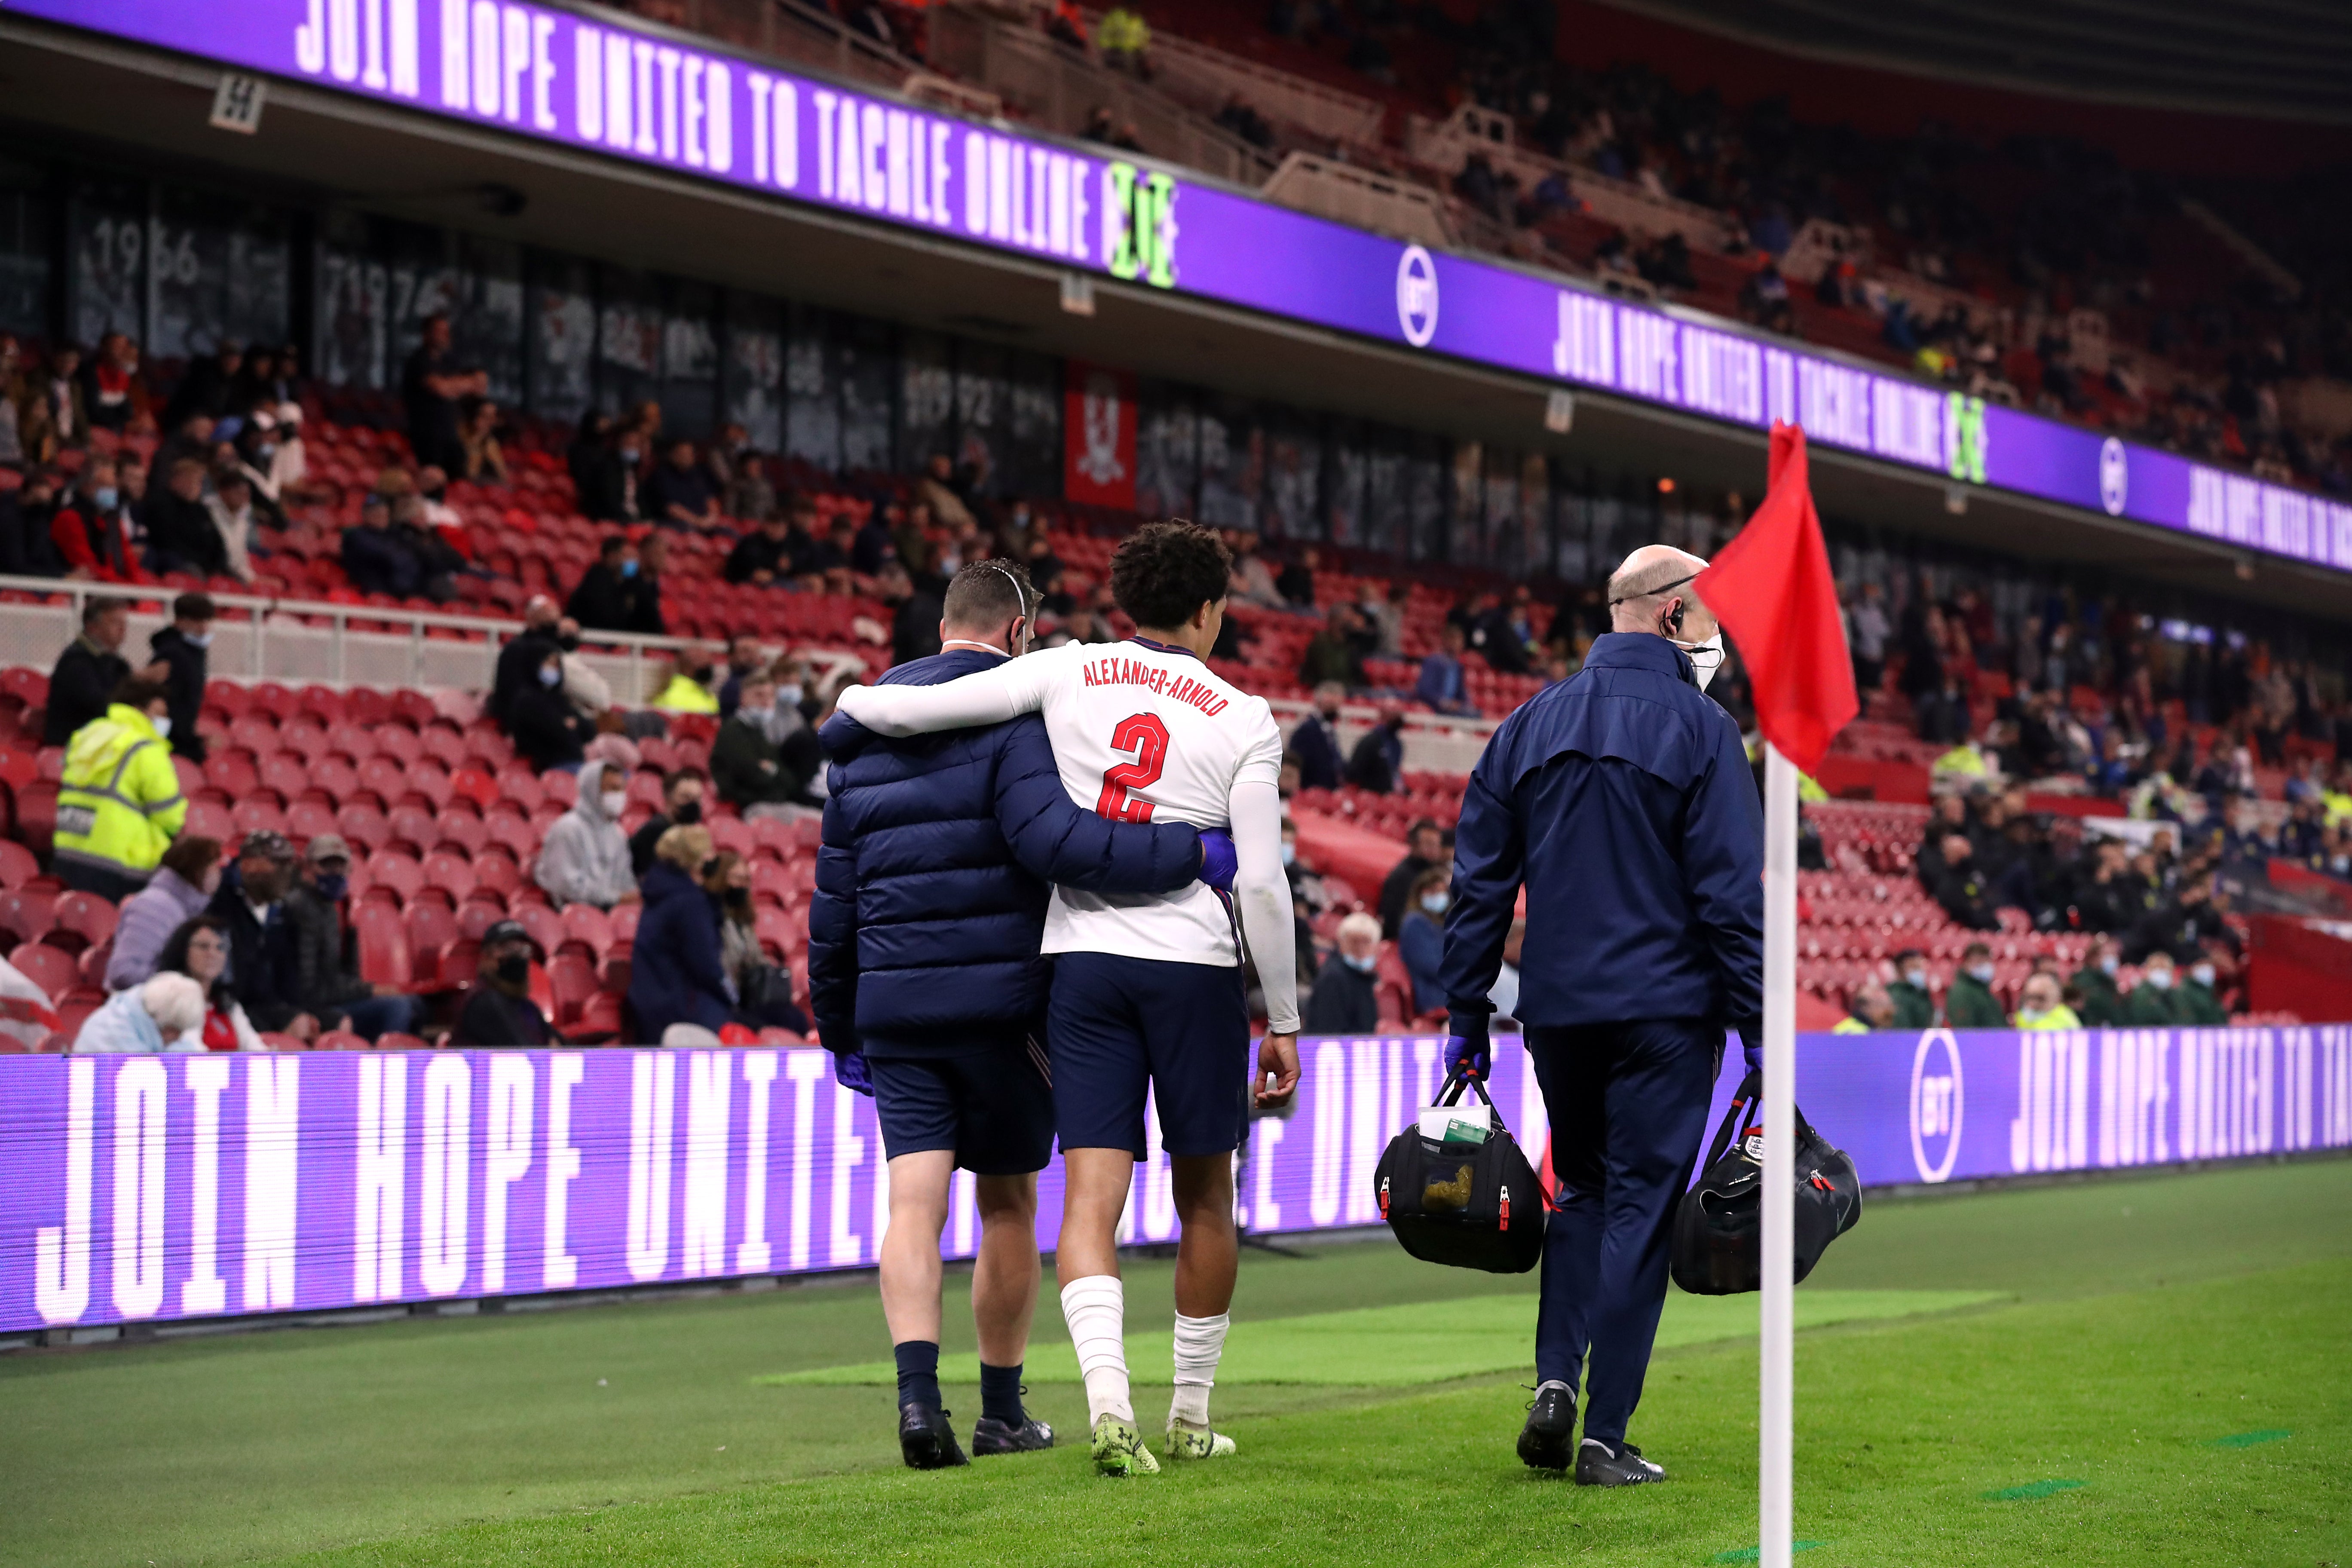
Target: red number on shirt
(1147, 737)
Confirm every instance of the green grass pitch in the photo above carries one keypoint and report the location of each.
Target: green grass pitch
(2154, 1371)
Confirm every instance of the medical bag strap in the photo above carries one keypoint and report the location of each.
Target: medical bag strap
(1450, 1092)
(1743, 1098)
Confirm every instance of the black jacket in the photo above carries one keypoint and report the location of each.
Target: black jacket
(1395, 887)
(746, 769)
(1317, 746)
(182, 536)
(264, 967)
(1344, 1001)
(78, 688)
(545, 728)
(491, 1017)
(915, 629)
(185, 686)
(517, 672)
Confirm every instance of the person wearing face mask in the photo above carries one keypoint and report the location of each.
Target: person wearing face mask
(746, 768)
(1621, 801)
(1421, 937)
(2042, 1005)
(1346, 998)
(674, 975)
(264, 967)
(183, 882)
(1970, 1004)
(605, 599)
(764, 993)
(181, 647)
(499, 1011)
(1910, 990)
(2152, 1005)
(2194, 999)
(2102, 1006)
(1316, 740)
(326, 984)
(547, 730)
(682, 793)
(689, 689)
(199, 949)
(585, 859)
(118, 800)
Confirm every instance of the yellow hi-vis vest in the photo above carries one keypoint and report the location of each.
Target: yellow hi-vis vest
(119, 803)
(684, 696)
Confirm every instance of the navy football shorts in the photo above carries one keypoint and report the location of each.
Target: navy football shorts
(1116, 1023)
(991, 1105)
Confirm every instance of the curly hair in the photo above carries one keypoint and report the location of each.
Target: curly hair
(1167, 570)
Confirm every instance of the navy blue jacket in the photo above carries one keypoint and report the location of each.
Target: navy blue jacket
(1317, 746)
(1623, 800)
(931, 883)
(674, 976)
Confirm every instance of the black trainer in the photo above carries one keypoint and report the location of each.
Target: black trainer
(991, 1435)
(1598, 1465)
(1544, 1441)
(926, 1439)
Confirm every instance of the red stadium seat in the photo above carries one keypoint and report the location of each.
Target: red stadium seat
(331, 777)
(390, 868)
(517, 783)
(53, 970)
(599, 1020)
(545, 926)
(462, 831)
(234, 772)
(452, 873)
(431, 929)
(589, 926)
(469, 783)
(339, 1040)
(461, 961)
(428, 781)
(444, 745)
(384, 777)
(18, 866)
(496, 871)
(573, 980)
(558, 788)
(27, 915)
(398, 742)
(363, 826)
(254, 732)
(645, 789)
(413, 825)
(84, 918)
(256, 814)
(624, 923)
(382, 946)
(354, 741)
(476, 915)
(305, 819)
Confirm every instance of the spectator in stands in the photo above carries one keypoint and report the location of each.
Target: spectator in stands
(1503, 635)
(1345, 997)
(1378, 761)
(112, 393)
(231, 512)
(1914, 1001)
(2151, 1005)
(2101, 1005)
(689, 689)
(1384, 615)
(208, 387)
(1331, 657)
(182, 535)
(26, 548)
(499, 1011)
(258, 447)
(477, 440)
(183, 882)
(325, 984)
(1960, 887)
(546, 729)
(746, 767)
(1252, 580)
(88, 670)
(199, 948)
(181, 647)
(437, 563)
(1421, 936)
(92, 530)
(1425, 851)
(679, 494)
(589, 460)
(1866, 634)
(520, 660)
(2195, 1002)
(1296, 581)
(375, 559)
(1442, 684)
(1316, 740)
(682, 807)
(764, 991)
(675, 975)
(264, 967)
(1872, 1009)
(2183, 926)
(118, 800)
(605, 599)
(1970, 1004)
(431, 384)
(745, 659)
(12, 394)
(2042, 1004)
(872, 550)
(585, 859)
(165, 1014)
(915, 618)
(646, 610)
(53, 417)
(764, 554)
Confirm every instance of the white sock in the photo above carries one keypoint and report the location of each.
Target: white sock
(1096, 1309)
(1199, 1342)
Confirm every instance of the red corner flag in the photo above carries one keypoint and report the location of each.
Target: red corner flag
(1772, 589)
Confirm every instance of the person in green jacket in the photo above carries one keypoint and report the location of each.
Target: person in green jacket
(746, 768)
(2102, 1004)
(1914, 1007)
(2151, 1005)
(2195, 1001)
(1971, 1003)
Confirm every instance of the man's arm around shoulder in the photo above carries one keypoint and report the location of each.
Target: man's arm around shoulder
(1062, 842)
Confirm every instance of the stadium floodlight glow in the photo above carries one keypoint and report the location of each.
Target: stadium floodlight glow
(649, 95)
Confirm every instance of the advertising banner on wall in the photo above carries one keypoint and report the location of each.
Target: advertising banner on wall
(658, 98)
(1099, 426)
(148, 1189)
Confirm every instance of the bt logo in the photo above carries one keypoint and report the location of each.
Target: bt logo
(1416, 292)
(2115, 476)
(1937, 1103)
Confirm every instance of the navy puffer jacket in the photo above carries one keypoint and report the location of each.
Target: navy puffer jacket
(931, 884)
(674, 976)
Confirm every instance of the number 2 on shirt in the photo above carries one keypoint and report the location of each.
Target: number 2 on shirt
(1147, 737)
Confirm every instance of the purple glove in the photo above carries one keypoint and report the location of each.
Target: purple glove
(1218, 858)
(849, 1070)
(1467, 1058)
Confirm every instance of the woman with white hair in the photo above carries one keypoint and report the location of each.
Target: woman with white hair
(165, 1014)
(1346, 998)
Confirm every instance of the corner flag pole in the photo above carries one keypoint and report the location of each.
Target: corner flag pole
(1775, 1425)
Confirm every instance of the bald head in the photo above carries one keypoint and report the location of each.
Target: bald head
(1648, 587)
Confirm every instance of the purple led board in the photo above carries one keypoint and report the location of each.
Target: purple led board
(605, 85)
(137, 1189)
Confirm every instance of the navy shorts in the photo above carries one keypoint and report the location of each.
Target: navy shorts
(992, 1106)
(1116, 1023)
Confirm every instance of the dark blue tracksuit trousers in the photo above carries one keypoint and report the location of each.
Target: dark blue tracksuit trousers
(1628, 1107)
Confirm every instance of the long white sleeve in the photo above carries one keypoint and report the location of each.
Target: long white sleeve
(986, 697)
(1262, 894)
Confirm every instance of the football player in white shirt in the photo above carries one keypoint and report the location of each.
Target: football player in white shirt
(1147, 987)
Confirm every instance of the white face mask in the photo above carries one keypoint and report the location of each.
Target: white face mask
(2203, 975)
(164, 727)
(1289, 852)
(1434, 902)
(198, 639)
(1980, 972)
(615, 804)
(788, 696)
(1706, 658)
(2109, 964)
(2160, 978)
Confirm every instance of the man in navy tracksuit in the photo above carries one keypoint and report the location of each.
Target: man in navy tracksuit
(1623, 801)
(924, 974)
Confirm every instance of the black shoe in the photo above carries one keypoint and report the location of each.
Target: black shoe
(1544, 1441)
(993, 1437)
(1598, 1465)
(927, 1440)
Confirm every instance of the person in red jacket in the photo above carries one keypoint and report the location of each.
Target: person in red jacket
(93, 530)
